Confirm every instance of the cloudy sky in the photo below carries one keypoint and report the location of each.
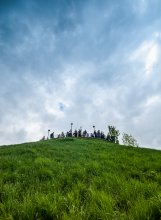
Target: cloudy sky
(89, 62)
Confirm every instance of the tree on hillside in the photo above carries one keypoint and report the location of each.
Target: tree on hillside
(113, 135)
(129, 140)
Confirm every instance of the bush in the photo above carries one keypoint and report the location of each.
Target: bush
(129, 140)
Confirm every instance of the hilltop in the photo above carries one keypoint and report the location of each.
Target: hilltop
(79, 178)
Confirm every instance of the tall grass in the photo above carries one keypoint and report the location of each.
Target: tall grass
(79, 179)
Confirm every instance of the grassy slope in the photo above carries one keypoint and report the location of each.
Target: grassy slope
(79, 179)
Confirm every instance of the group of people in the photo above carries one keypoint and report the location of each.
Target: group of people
(112, 135)
(80, 133)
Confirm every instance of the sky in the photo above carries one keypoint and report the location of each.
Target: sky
(89, 62)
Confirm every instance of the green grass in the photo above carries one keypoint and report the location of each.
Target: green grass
(79, 179)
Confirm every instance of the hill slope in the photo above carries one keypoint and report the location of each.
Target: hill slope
(79, 179)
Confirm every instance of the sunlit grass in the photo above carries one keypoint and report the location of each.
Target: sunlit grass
(79, 179)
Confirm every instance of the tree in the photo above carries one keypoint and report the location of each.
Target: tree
(113, 135)
(129, 140)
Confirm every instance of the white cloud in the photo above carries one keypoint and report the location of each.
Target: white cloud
(157, 35)
(147, 54)
(153, 100)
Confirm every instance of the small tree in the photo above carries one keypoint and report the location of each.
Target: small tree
(113, 135)
(129, 140)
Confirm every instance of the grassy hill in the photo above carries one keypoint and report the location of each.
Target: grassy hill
(79, 179)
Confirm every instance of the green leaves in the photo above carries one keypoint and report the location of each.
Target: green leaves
(129, 140)
(113, 134)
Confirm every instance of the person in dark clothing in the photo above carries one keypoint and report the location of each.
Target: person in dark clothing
(92, 135)
(52, 135)
(79, 133)
(75, 133)
(108, 138)
(98, 134)
(70, 133)
(67, 134)
(102, 135)
(62, 135)
(84, 133)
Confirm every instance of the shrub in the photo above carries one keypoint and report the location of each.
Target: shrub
(129, 140)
